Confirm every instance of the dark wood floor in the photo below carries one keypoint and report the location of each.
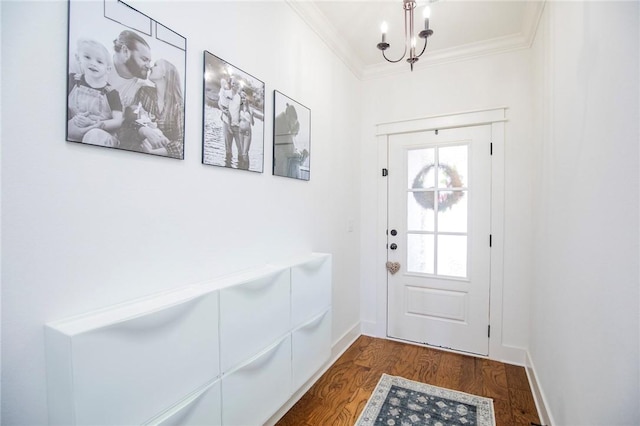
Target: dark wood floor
(339, 396)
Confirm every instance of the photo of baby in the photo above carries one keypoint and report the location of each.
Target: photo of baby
(95, 109)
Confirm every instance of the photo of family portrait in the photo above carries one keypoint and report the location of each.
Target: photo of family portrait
(233, 134)
(126, 86)
(291, 138)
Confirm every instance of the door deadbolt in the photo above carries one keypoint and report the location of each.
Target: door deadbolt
(394, 232)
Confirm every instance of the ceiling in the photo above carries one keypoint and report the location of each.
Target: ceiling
(462, 29)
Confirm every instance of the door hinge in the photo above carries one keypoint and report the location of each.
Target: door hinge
(491, 148)
(488, 331)
(490, 240)
(385, 172)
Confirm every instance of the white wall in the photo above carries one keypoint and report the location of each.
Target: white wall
(85, 227)
(585, 299)
(486, 82)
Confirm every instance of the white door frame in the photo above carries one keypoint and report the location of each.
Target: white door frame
(496, 117)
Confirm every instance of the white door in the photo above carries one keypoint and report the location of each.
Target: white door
(439, 225)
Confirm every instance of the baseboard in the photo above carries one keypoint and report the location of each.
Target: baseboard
(343, 343)
(338, 348)
(538, 395)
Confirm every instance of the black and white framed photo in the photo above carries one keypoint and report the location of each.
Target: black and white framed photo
(126, 80)
(291, 137)
(233, 117)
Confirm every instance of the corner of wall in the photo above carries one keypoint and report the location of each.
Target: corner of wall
(370, 328)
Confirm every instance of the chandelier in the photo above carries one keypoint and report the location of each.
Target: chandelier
(409, 37)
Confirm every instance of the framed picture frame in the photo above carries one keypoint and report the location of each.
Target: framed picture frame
(126, 80)
(291, 138)
(233, 117)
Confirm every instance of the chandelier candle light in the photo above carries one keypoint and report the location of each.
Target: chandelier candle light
(409, 37)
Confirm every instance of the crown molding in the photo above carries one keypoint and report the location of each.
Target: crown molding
(447, 56)
(317, 21)
(531, 21)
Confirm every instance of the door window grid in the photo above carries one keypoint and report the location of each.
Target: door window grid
(437, 210)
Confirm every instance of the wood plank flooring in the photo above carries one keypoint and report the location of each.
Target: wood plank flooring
(339, 396)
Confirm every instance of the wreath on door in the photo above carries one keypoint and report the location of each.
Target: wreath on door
(446, 200)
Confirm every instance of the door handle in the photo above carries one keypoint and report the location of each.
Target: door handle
(393, 246)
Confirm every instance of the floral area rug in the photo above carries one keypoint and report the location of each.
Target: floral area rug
(400, 402)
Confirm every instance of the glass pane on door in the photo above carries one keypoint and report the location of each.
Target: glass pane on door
(454, 217)
(421, 173)
(452, 255)
(421, 217)
(420, 253)
(453, 163)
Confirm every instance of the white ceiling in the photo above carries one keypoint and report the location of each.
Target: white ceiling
(462, 29)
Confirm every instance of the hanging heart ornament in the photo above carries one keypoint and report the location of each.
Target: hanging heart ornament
(393, 267)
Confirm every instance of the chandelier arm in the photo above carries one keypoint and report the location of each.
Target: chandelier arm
(423, 48)
(401, 57)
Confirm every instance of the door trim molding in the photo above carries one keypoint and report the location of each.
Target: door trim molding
(496, 117)
(444, 121)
